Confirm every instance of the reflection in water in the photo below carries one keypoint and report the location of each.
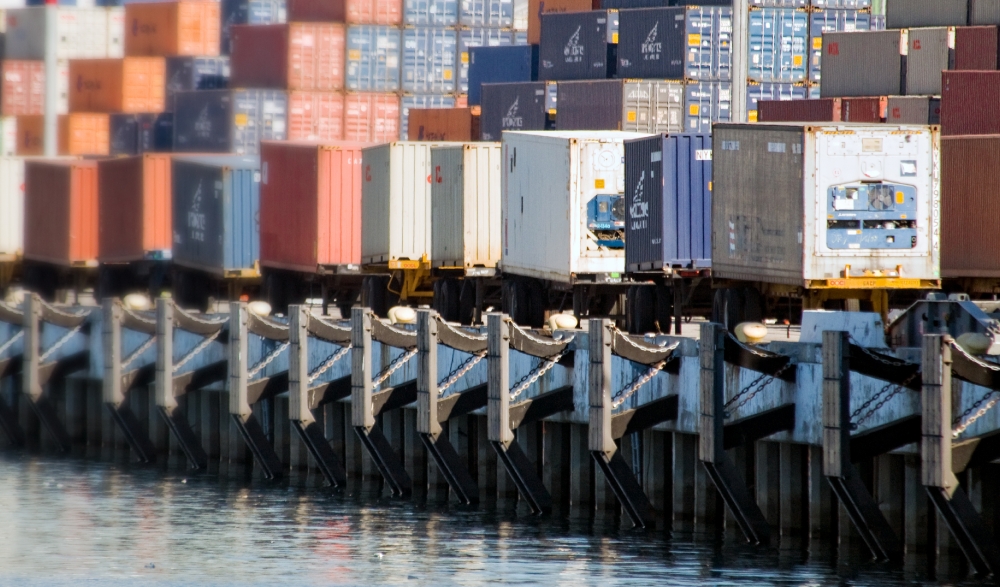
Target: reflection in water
(64, 521)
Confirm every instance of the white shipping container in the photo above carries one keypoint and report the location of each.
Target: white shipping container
(396, 203)
(11, 208)
(82, 33)
(8, 136)
(465, 206)
(550, 182)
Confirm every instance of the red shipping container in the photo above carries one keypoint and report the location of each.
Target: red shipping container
(349, 11)
(135, 212)
(60, 212)
(970, 209)
(821, 110)
(296, 56)
(310, 205)
(315, 116)
(970, 102)
(371, 117)
(23, 89)
(863, 109)
(976, 48)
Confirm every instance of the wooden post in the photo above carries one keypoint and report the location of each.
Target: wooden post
(599, 387)
(498, 379)
(30, 382)
(936, 400)
(712, 389)
(165, 355)
(112, 342)
(298, 365)
(836, 404)
(238, 374)
(361, 369)
(427, 374)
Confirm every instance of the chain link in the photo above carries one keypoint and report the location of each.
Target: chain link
(460, 332)
(878, 357)
(394, 365)
(976, 360)
(650, 348)
(138, 352)
(459, 372)
(751, 349)
(537, 340)
(63, 313)
(139, 317)
(968, 418)
(201, 346)
(328, 363)
(879, 403)
(205, 321)
(756, 386)
(267, 360)
(630, 389)
(542, 368)
(59, 343)
(10, 343)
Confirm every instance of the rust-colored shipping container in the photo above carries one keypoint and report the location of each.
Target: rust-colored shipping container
(970, 209)
(371, 117)
(310, 204)
(970, 102)
(168, 29)
(537, 7)
(30, 136)
(821, 110)
(349, 11)
(132, 85)
(23, 87)
(863, 109)
(134, 209)
(60, 212)
(443, 124)
(296, 56)
(84, 134)
(315, 116)
(976, 48)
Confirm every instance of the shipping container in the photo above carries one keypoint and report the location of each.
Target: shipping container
(370, 117)
(229, 121)
(195, 73)
(430, 12)
(60, 212)
(494, 65)
(648, 106)
(821, 110)
(851, 4)
(563, 204)
(429, 60)
(970, 219)
(216, 204)
(296, 56)
(538, 7)
(867, 110)
(465, 206)
(709, 34)
(478, 37)
(578, 45)
(976, 48)
(901, 14)
(249, 12)
(706, 103)
(778, 45)
(84, 134)
(969, 102)
(771, 91)
(11, 207)
(836, 202)
(984, 12)
(134, 211)
(674, 43)
(388, 12)
(443, 124)
(513, 107)
(30, 131)
(396, 202)
(486, 13)
(310, 203)
(82, 33)
(863, 64)
(315, 116)
(176, 27)
(8, 136)
(133, 84)
(930, 51)
(668, 202)
(913, 110)
(135, 134)
(831, 21)
(373, 58)
(22, 87)
(408, 102)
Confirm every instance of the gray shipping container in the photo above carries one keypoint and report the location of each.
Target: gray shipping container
(430, 12)
(651, 106)
(514, 106)
(929, 52)
(829, 21)
(429, 60)
(706, 103)
(984, 12)
(866, 63)
(913, 110)
(901, 14)
(465, 205)
(486, 13)
(373, 58)
(229, 121)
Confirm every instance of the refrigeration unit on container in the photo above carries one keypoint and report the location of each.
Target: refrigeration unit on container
(216, 211)
(649, 106)
(430, 12)
(813, 110)
(350, 11)
(429, 60)
(690, 42)
(11, 208)
(374, 54)
(487, 13)
(863, 64)
(409, 102)
(132, 84)
(82, 33)
(969, 214)
(578, 45)
(706, 103)
(249, 12)
(517, 106)
(901, 14)
(195, 73)
(443, 124)
(494, 65)
(229, 121)
(177, 27)
(370, 117)
(479, 37)
(771, 91)
(60, 212)
(134, 210)
(295, 56)
(843, 206)
(135, 134)
(929, 52)
(315, 116)
(778, 48)
(831, 21)
(913, 110)
(976, 47)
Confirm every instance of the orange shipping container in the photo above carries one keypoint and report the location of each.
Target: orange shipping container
(371, 117)
(167, 29)
(23, 87)
(297, 56)
(30, 136)
(310, 205)
(84, 134)
(443, 124)
(133, 84)
(315, 116)
(537, 7)
(135, 212)
(60, 212)
(349, 11)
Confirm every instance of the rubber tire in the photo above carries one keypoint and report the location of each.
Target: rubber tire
(641, 309)
(375, 296)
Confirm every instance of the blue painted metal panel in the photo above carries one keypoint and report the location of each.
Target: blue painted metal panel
(430, 12)
(778, 45)
(373, 58)
(429, 55)
(480, 37)
(709, 38)
(826, 21)
(486, 13)
(705, 103)
(495, 65)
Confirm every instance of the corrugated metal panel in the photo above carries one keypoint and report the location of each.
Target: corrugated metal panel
(970, 180)
(351, 11)
(60, 212)
(371, 117)
(133, 84)
(135, 134)
(652, 43)
(913, 110)
(465, 205)
(901, 14)
(8, 136)
(863, 109)
(984, 12)
(408, 102)
(296, 56)
(831, 21)
(491, 65)
(778, 3)
(22, 87)
(84, 134)
(853, 4)
(706, 103)
(486, 13)
(216, 202)
(429, 60)
(818, 110)
(11, 207)
(976, 47)
(227, 121)
(178, 27)
(969, 103)
(862, 64)
(82, 32)
(930, 53)
(639, 106)
(537, 7)
(479, 37)
(442, 124)
(575, 45)
(250, 12)
(195, 73)
(315, 116)
(769, 91)
(430, 12)
(778, 45)
(513, 107)
(709, 34)
(668, 207)
(135, 212)
(373, 58)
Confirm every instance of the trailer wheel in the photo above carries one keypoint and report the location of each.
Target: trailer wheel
(376, 296)
(753, 305)
(728, 307)
(446, 299)
(466, 301)
(640, 309)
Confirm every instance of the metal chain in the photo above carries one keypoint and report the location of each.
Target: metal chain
(63, 313)
(10, 343)
(59, 343)
(328, 363)
(138, 352)
(267, 360)
(630, 389)
(458, 373)
(542, 368)
(879, 403)
(756, 386)
(534, 339)
(968, 418)
(201, 346)
(751, 349)
(193, 318)
(976, 360)
(394, 365)
(624, 336)
(139, 317)
(386, 324)
(877, 356)
(460, 332)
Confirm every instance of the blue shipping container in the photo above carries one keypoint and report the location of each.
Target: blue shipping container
(430, 12)
(496, 65)
(373, 57)
(705, 103)
(249, 12)
(828, 21)
(216, 206)
(429, 55)
(709, 37)
(229, 121)
(772, 91)
(195, 73)
(778, 45)
(486, 13)
(419, 102)
(668, 202)
(469, 38)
